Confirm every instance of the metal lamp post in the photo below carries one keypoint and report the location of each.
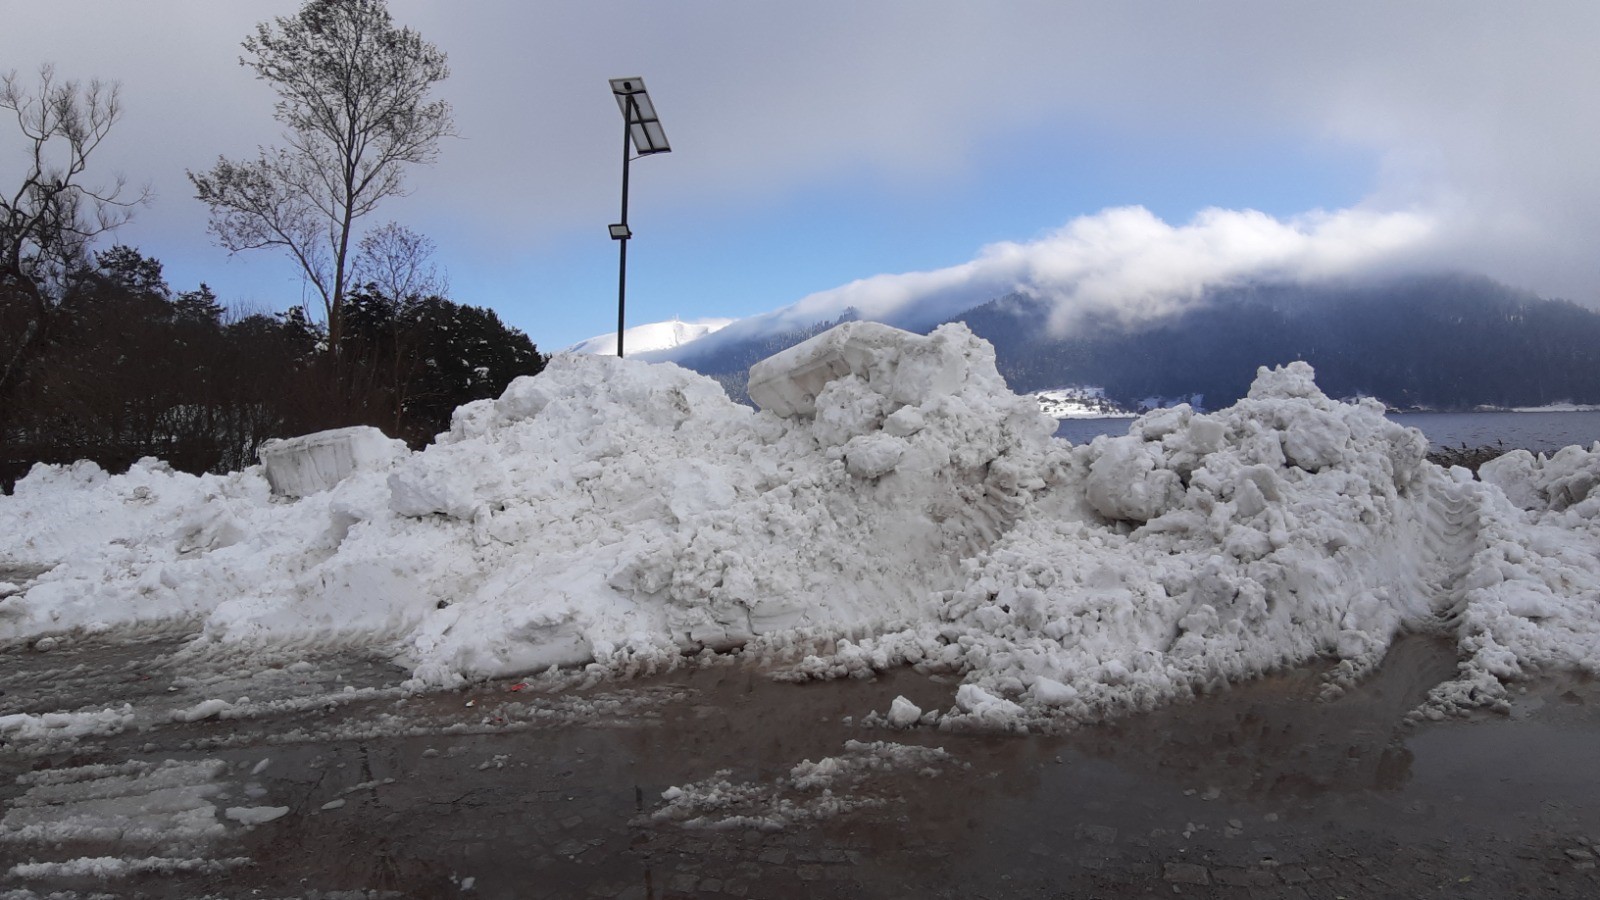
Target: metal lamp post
(641, 130)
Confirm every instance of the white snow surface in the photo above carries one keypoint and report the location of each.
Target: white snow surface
(1558, 407)
(109, 867)
(616, 512)
(126, 804)
(653, 336)
(1079, 402)
(255, 815)
(64, 725)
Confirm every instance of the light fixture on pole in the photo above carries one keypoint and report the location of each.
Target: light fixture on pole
(641, 130)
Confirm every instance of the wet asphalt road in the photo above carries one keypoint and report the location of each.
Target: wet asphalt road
(510, 790)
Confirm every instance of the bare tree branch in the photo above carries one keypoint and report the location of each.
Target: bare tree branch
(50, 217)
(398, 262)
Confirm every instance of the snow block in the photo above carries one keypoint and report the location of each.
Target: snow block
(787, 383)
(305, 465)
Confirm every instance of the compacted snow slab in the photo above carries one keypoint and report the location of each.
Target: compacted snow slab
(787, 383)
(297, 467)
(893, 502)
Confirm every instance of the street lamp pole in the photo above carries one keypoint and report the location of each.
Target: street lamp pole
(625, 234)
(641, 130)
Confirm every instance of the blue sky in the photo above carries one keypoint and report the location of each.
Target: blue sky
(819, 145)
(733, 261)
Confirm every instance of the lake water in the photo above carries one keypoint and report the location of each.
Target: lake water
(1536, 431)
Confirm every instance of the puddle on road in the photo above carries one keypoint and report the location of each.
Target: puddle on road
(1257, 785)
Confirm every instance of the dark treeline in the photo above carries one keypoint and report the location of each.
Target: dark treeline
(114, 366)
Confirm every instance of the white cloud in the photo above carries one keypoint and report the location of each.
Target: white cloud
(1129, 266)
(1485, 115)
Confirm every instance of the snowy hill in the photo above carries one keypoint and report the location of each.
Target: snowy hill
(654, 336)
(1077, 402)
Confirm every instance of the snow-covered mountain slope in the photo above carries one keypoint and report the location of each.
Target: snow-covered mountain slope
(1079, 402)
(651, 337)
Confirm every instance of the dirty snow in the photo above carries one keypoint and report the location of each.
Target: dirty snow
(909, 510)
(109, 867)
(64, 726)
(134, 804)
(810, 791)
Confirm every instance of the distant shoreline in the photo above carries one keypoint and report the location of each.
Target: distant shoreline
(1549, 408)
(1469, 458)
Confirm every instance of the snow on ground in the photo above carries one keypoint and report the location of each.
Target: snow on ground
(654, 336)
(63, 727)
(134, 808)
(1558, 407)
(130, 803)
(617, 513)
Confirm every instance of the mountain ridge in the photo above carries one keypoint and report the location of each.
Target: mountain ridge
(1441, 341)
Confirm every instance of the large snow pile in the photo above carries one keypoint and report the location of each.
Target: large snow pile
(911, 507)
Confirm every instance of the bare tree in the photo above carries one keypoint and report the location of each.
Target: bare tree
(395, 272)
(50, 216)
(353, 95)
(398, 262)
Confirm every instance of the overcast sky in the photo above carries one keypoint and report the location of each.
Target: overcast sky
(1110, 154)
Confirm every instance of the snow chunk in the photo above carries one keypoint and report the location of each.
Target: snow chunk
(984, 709)
(298, 467)
(1518, 475)
(1051, 692)
(873, 455)
(1557, 482)
(1127, 481)
(255, 815)
(1295, 381)
(205, 709)
(788, 382)
(905, 368)
(903, 713)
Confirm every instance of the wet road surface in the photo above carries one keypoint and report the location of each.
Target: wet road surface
(311, 774)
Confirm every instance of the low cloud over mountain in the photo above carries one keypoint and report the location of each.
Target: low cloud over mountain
(1129, 266)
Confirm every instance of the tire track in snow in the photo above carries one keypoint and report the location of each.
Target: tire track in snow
(1452, 535)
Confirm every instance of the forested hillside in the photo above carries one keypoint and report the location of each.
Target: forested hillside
(1438, 341)
(1448, 342)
